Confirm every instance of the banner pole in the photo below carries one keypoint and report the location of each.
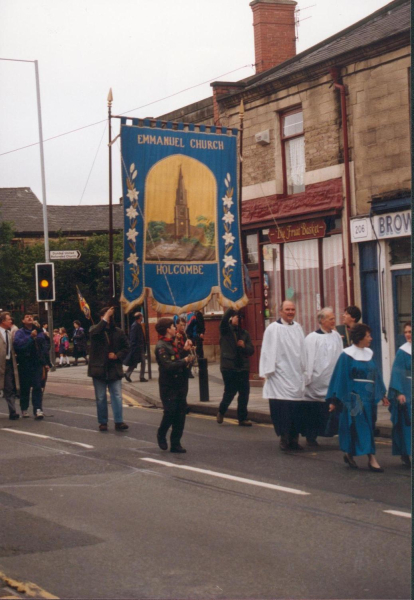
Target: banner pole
(111, 251)
(242, 239)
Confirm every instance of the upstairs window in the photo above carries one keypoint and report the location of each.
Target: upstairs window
(293, 143)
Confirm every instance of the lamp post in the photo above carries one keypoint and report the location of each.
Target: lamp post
(48, 305)
(111, 243)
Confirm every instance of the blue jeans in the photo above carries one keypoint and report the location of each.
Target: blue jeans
(115, 392)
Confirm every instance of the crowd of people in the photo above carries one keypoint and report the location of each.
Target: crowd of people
(323, 385)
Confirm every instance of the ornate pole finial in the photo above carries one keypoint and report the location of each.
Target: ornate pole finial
(241, 110)
(110, 98)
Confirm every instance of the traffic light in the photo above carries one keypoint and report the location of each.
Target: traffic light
(45, 282)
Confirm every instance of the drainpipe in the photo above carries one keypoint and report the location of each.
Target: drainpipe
(335, 74)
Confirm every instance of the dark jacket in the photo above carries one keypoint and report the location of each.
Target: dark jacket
(136, 345)
(195, 326)
(173, 371)
(31, 352)
(79, 339)
(104, 341)
(233, 356)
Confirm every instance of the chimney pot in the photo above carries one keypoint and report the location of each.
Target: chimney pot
(274, 32)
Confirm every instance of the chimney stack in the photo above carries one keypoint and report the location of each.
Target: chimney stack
(274, 32)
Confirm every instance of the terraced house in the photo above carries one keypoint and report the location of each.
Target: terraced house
(326, 169)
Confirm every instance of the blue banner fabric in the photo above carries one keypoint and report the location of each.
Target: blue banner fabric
(181, 219)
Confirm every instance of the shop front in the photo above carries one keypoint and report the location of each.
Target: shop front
(384, 244)
(302, 261)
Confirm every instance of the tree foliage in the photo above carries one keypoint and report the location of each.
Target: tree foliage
(17, 268)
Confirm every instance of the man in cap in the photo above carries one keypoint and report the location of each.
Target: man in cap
(136, 349)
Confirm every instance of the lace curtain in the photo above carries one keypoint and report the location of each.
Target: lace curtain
(295, 165)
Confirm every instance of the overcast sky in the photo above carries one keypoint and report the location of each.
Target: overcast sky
(145, 50)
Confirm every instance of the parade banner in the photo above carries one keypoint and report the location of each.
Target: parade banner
(181, 217)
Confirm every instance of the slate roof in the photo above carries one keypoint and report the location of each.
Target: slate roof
(24, 209)
(391, 20)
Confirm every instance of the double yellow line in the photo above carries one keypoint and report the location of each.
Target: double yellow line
(30, 590)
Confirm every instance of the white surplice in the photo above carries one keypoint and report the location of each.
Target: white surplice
(283, 362)
(322, 353)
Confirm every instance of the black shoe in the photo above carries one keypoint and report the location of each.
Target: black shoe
(103, 427)
(127, 377)
(178, 449)
(295, 446)
(191, 376)
(375, 469)
(245, 423)
(406, 460)
(312, 443)
(350, 461)
(14, 416)
(283, 445)
(162, 442)
(143, 379)
(220, 418)
(121, 426)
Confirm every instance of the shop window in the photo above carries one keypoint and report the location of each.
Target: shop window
(271, 282)
(333, 275)
(400, 249)
(301, 269)
(293, 143)
(252, 252)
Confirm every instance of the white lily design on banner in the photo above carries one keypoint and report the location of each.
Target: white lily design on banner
(229, 239)
(132, 234)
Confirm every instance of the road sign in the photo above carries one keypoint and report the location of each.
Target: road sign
(65, 255)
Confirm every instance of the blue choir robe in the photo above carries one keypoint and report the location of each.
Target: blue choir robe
(401, 413)
(355, 388)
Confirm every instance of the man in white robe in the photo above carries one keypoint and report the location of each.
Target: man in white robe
(283, 364)
(323, 348)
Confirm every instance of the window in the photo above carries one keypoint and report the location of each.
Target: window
(252, 252)
(293, 151)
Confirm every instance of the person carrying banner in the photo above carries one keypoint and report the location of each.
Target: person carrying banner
(235, 349)
(173, 367)
(109, 347)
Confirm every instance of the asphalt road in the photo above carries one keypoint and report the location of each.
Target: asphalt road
(109, 515)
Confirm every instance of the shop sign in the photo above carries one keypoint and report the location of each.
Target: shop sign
(390, 225)
(297, 232)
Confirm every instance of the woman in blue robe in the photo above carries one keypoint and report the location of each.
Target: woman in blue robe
(399, 395)
(356, 387)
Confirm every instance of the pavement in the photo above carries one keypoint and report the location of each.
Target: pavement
(74, 381)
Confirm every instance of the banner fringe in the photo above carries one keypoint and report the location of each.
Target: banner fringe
(177, 310)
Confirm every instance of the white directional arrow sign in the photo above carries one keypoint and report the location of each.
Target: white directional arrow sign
(65, 255)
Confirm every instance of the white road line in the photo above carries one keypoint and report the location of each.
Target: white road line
(46, 437)
(398, 513)
(269, 486)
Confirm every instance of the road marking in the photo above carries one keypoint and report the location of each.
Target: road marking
(46, 437)
(30, 590)
(398, 513)
(269, 486)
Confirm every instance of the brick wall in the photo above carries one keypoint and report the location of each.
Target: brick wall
(378, 109)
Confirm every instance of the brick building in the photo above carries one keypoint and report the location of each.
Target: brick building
(326, 158)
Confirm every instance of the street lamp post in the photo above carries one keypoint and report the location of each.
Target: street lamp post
(48, 305)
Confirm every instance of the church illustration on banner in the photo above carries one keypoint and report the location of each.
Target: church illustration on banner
(180, 212)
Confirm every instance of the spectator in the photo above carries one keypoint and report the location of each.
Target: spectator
(136, 352)
(79, 343)
(32, 351)
(63, 348)
(9, 376)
